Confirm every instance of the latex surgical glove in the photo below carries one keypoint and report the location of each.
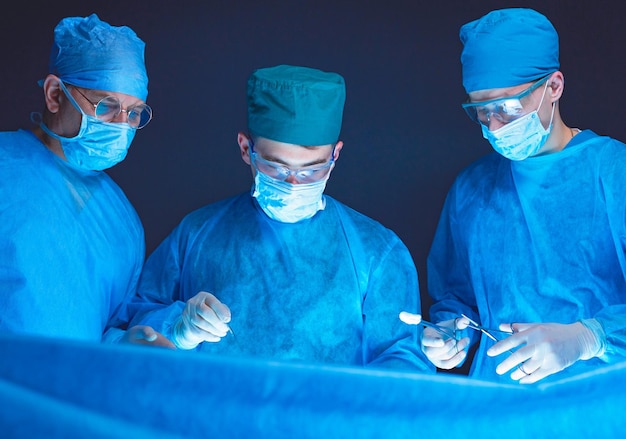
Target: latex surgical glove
(147, 336)
(443, 351)
(544, 349)
(204, 318)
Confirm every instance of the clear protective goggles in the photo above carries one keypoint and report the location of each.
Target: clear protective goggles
(282, 173)
(504, 110)
(109, 107)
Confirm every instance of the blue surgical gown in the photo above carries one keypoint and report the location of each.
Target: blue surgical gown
(71, 245)
(538, 240)
(323, 290)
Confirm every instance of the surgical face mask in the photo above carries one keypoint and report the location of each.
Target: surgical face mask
(286, 202)
(521, 138)
(98, 145)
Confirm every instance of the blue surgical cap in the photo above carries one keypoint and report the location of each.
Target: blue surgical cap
(508, 47)
(90, 53)
(297, 105)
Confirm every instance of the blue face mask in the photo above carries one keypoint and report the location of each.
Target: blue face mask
(98, 145)
(286, 202)
(522, 138)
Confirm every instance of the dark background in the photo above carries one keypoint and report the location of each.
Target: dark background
(405, 134)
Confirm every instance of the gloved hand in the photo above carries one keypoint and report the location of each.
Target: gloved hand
(546, 348)
(444, 352)
(145, 335)
(204, 318)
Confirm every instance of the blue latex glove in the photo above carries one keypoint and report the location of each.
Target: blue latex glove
(544, 349)
(204, 318)
(443, 351)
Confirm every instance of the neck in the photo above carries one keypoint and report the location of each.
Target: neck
(560, 136)
(52, 144)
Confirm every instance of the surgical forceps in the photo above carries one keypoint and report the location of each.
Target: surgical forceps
(416, 319)
(440, 329)
(486, 331)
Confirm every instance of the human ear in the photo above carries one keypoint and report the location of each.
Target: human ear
(556, 84)
(244, 147)
(338, 147)
(52, 93)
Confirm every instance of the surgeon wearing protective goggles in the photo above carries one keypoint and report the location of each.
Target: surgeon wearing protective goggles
(71, 244)
(283, 271)
(530, 247)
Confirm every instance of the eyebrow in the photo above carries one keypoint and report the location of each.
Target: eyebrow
(271, 158)
(519, 95)
(98, 95)
(274, 159)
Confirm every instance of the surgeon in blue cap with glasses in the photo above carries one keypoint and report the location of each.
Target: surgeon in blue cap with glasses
(284, 272)
(532, 238)
(71, 244)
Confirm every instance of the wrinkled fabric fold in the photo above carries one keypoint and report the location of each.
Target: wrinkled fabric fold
(539, 240)
(326, 289)
(71, 245)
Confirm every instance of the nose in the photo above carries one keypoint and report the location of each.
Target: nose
(122, 117)
(291, 178)
(494, 124)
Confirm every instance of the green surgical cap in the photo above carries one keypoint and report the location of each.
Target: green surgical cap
(508, 47)
(296, 105)
(90, 53)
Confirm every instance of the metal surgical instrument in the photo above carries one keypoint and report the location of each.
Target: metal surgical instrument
(486, 331)
(440, 329)
(416, 319)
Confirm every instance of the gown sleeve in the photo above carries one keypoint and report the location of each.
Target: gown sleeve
(158, 303)
(393, 287)
(449, 282)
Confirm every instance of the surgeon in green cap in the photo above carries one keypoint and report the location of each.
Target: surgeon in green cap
(284, 272)
(532, 238)
(71, 244)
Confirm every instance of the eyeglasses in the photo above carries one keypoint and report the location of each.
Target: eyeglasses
(504, 110)
(109, 107)
(282, 173)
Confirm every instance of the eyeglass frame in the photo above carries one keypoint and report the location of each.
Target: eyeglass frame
(128, 111)
(472, 112)
(254, 157)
